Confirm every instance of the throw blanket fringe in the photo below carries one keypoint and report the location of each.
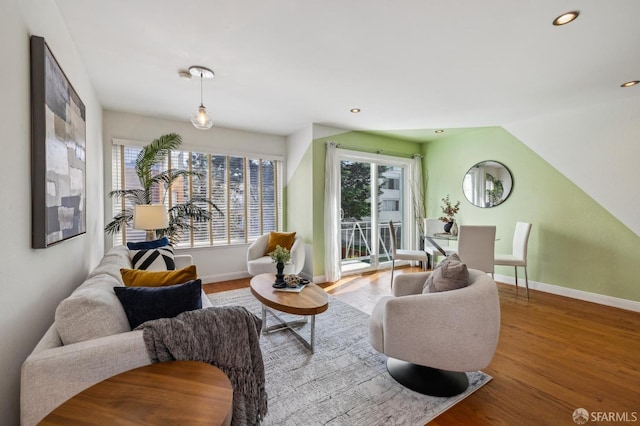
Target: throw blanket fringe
(226, 337)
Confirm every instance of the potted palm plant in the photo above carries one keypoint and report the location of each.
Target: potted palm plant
(181, 215)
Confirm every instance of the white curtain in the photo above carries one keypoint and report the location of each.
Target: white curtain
(332, 214)
(417, 193)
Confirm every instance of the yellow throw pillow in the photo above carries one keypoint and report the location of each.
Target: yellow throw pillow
(141, 278)
(282, 239)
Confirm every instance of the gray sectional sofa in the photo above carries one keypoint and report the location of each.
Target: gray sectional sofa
(89, 341)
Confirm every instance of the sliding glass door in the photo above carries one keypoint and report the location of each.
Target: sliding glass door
(391, 205)
(374, 190)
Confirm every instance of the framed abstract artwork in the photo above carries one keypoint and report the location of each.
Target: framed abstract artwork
(58, 166)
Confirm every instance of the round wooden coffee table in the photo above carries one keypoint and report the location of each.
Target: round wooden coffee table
(310, 301)
(178, 392)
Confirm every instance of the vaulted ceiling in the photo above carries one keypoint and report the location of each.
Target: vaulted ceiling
(416, 64)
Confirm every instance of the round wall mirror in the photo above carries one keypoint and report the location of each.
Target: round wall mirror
(487, 184)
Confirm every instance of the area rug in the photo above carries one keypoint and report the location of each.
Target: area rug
(344, 382)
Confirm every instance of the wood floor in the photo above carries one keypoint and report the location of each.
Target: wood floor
(555, 355)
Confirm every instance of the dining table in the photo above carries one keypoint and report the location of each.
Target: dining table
(441, 236)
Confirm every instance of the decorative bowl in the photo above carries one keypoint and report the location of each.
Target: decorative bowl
(292, 280)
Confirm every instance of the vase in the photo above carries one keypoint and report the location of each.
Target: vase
(447, 226)
(454, 229)
(280, 273)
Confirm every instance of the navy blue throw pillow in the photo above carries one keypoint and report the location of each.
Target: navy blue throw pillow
(148, 303)
(146, 245)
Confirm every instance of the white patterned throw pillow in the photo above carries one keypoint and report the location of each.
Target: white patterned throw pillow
(157, 259)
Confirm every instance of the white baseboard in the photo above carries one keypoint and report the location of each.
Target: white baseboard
(319, 279)
(601, 299)
(208, 279)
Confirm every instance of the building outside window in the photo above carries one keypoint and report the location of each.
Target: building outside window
(390, 205)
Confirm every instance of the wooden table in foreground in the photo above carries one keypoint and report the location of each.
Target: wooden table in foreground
(310, 301)
(166, 393)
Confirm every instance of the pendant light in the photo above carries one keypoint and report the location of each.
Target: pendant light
(200, 118)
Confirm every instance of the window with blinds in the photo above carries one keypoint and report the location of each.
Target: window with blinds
(248, 192)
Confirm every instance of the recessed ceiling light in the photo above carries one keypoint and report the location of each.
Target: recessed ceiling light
(439, 131)
(630, 83)
(565, 18)
(355, 110)
(184, 75)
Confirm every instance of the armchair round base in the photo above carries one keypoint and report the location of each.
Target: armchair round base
(427, 380)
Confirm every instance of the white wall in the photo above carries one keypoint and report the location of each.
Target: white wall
(297, 145)
(213, 263)
(597, 147)
(34, 281)
(299, 142)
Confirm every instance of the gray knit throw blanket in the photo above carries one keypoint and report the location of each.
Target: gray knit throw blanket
(226, 337)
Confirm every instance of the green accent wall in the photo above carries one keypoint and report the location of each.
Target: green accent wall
(574, 242)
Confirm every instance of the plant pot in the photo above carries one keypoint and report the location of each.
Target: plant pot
(280, 274)
(454, 229)
(447, 226)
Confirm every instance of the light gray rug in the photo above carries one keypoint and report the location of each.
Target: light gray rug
(345, 382)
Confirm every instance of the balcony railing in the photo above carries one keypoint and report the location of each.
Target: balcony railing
(356, 241)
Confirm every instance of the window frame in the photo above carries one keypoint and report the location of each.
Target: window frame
(269, 218)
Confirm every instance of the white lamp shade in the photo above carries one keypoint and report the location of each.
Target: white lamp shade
(150, 217)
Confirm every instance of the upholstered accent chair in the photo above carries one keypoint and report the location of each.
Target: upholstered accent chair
(259, 262)
(432, 339)
(518, 256)
(476, 245)
(400, 254)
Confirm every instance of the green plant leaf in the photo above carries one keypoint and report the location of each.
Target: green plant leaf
(181, 216)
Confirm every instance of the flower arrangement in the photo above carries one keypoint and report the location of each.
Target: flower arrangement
(449, 210)
(280, 254)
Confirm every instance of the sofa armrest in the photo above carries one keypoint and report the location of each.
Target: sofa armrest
(183, 260)
(258, 248)
(298, 254)
(52, 376)
(407, 284)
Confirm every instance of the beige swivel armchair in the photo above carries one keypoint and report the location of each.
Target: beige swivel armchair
(258, 262)
(432, 339)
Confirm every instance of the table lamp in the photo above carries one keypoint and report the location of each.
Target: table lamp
(150, 217)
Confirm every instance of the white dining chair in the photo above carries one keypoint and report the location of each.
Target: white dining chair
(431, 228)
(476, 246)
(399, 254)
(518, 257)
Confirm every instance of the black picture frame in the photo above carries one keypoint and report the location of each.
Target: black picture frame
(58, 149)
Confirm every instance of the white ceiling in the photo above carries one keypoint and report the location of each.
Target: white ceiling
(281, 65)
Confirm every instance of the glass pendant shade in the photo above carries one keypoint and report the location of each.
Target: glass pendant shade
(201, 119)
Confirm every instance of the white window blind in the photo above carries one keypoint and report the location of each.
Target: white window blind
(247, 190)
